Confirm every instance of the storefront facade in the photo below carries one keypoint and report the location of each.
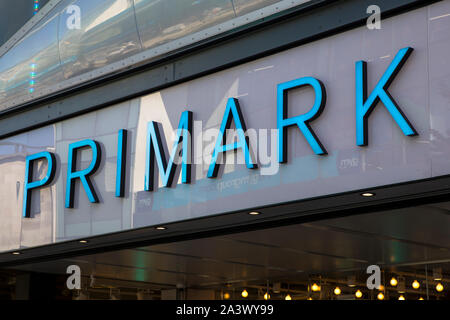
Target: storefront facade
(331, 125)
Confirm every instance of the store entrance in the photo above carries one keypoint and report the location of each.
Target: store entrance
(325, 259)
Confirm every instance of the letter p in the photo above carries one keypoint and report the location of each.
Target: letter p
(29, 184)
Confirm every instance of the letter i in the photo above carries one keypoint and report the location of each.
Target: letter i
(121, 162)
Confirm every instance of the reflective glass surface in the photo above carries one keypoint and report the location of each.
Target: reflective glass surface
(79, 37)
(107, 34)
(33, 63)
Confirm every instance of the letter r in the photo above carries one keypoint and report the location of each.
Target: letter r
(83, 175)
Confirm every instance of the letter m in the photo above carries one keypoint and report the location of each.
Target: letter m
(155, 151)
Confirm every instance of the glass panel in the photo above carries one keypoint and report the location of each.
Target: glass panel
(163, 21)
(107, 34)
(245, 6)
(33, 64)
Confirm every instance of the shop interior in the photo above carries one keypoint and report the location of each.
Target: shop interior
(321, 260)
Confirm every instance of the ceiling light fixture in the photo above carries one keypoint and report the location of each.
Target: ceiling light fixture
(358, 294)
(276, 287)
(367, 194)
(160, 228)
(315, 287)
(415, 284)
(351, 281)
(254, 213)
(244, 293)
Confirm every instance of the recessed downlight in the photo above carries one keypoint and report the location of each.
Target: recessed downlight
(254, 213)
(161, 228)
(367, 194)
(83, 241)
(16, 253)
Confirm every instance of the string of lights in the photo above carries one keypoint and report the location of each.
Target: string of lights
(398, 288)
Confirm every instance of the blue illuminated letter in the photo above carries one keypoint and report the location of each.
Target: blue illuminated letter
(302, 121)
(364, 105)
(29, 184)
(121, 162)
(155, 149)
(232, 112)
(83, 175)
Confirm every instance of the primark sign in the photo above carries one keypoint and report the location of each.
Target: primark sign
(231, 136)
